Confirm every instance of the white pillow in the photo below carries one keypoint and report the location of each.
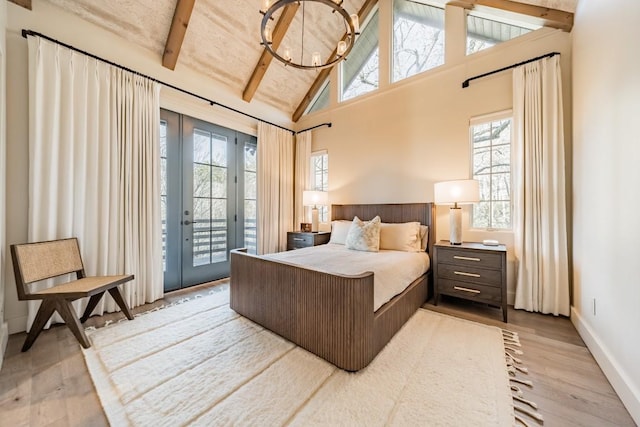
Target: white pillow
(339, 231)
(364, 235)
(424, 237)
(400, 236)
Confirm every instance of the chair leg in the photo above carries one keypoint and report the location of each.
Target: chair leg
(93, 301)
(47, 306)
(68, 313)
(117, 296)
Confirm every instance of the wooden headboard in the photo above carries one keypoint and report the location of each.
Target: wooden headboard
(424, 213)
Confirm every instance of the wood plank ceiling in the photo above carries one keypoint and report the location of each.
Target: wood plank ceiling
(220, 38)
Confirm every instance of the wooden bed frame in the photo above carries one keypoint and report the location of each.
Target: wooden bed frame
(330, 315)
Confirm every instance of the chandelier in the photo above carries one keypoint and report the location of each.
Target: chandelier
(295, 56)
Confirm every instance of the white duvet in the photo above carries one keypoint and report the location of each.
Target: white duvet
(392, 271)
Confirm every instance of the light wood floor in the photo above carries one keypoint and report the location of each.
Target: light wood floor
(50, 386)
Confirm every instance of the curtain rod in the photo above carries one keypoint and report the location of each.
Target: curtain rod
(548, 55)
(26, 33)
(314, 127)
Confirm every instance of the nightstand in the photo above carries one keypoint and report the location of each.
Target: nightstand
(301, 239)
(471, 271)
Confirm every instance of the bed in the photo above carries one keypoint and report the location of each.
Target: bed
(330, 315)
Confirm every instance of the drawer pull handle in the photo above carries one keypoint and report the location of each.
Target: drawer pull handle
(298, 239)
(472, 291)
(466, 258)
(461, 273)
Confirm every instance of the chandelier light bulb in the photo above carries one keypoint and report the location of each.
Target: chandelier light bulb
(356, 22)
(315, 59)
(265, 5)
(342, 47)
(287, 53)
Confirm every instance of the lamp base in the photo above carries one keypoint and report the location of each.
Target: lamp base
(455, 226)
(314, 220)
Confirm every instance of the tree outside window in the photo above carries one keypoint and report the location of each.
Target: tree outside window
(491, 162)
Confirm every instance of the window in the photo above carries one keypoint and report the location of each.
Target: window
(322, 100)
(491, 162)
(360, 72)
(319, 179)
(418, 38)
(483, 33)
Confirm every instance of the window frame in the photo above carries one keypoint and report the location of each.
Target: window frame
(482, 120)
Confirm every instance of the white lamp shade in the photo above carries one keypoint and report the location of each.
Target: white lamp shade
(461, 191)
(313, 198)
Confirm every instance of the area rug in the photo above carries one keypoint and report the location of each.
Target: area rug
(200, 363)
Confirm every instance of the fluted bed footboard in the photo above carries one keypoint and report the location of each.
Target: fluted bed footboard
(330, 315)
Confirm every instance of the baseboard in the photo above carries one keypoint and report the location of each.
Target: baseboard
(17, 324)
(4, 338)
(621, 382)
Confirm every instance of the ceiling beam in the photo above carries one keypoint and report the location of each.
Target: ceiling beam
(553, 18)
(363, 13)
(24, 3)
(181, 17)
(286, 17)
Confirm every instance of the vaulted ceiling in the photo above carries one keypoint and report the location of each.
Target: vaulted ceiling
(222, 39)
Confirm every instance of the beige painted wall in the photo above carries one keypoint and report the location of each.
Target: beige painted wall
(606, 198)
(55, 22)
(394, 144)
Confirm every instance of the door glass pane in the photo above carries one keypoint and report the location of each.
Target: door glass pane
(210, 175)
(201, 180)
(163, 190)
(250, 190)
(201, 146)
(218, 230)
(219, 151)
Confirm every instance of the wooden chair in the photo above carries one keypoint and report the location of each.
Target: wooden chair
(33, 262)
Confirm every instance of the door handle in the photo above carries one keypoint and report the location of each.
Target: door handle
(187, 222)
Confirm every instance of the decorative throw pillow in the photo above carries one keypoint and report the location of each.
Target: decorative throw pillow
(364, 235)
(403, 236)
(424, 237)
(339, 231)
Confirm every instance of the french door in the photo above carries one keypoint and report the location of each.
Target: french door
(208, 198)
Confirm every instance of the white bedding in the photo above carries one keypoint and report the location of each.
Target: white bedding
(392, 271)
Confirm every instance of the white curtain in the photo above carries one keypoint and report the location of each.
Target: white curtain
(275, 188)
(93, 168)
(539, 189)
(302, 175)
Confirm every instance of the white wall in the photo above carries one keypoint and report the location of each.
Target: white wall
(606, 194)
(392, 145)
(4, 333)
(57, 23)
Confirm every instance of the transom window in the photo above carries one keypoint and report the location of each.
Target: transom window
(491, 162)
(483, 33)
(418, 38)
(360, 72)
(322, 100)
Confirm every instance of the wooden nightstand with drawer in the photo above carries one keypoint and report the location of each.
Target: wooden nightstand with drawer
(471, 271)
(301, 239)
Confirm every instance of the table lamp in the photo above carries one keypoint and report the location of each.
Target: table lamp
(315, 198)
(462, 191)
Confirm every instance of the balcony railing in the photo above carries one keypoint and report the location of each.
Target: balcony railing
(210, 240)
